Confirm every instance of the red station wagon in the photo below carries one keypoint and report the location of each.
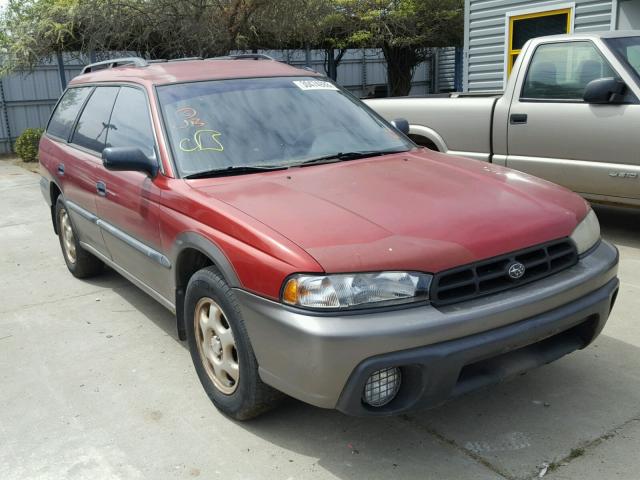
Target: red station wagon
(307, 246)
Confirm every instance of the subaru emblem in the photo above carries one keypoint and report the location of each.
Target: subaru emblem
(516, 270)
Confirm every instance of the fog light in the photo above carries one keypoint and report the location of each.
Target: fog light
(382, 386)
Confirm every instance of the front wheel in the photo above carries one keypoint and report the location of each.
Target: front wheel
(220, 348)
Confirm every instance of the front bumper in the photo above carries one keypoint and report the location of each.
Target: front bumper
(325, 359)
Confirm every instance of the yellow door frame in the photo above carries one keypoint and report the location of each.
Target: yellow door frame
(513, 53)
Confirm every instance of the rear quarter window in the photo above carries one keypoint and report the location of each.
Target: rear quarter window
(66, 112)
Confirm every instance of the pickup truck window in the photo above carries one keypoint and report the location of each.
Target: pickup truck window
(627, 49)
(561, 71)
(272, 122)
(93, 125)
(66, 112)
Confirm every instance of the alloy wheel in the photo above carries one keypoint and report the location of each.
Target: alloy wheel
(68, 239)
(216, 345)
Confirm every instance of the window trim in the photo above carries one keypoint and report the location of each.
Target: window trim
(511, 16)
(523, 99)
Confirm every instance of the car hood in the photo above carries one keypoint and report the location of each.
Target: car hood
(419, 210)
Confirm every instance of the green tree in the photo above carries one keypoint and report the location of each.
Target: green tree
(37, 29)
(406, 30)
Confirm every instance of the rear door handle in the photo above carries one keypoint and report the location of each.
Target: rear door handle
(518, 118)
(101, 188)
(60, 169)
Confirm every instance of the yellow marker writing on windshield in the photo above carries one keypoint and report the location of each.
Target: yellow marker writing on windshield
(199, 141)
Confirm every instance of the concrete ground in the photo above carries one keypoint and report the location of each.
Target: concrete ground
(94, 384)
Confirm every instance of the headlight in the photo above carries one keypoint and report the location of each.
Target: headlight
(355, 289)
(587, 233)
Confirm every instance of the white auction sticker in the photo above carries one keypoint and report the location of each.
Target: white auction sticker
(314, 85)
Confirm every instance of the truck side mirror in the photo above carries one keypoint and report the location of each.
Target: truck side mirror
(401, 124)
(604, 90)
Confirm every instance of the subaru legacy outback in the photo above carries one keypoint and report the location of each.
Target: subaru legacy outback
(307, 247)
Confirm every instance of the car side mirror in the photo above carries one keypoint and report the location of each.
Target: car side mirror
(401, 124)
(605, 90)
(129, 159)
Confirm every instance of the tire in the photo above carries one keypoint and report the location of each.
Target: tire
(220, 348)
(80, 263)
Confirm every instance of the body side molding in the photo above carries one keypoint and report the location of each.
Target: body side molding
(119, 234)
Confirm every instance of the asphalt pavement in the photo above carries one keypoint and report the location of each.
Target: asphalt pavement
(94, 384)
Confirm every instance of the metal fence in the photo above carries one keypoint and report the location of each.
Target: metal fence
(27, 98)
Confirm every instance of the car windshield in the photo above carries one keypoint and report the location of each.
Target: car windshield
(268, 122)
(628, 51)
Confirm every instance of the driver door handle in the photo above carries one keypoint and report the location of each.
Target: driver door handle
(101, 188)
(518, 118)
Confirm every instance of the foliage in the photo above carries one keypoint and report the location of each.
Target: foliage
(27, 144)
(37, 29)
(406, 30)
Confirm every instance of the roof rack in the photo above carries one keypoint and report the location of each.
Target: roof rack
(116, 62)
(184, 59)
(243, 56)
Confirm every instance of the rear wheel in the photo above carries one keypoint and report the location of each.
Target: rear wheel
(79, 262)
(220, 348)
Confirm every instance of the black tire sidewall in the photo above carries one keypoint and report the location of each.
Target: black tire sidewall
(243, 402)
(60, 206)
(86, 265)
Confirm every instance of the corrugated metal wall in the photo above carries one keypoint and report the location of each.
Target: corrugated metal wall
(446, 68)
(29, 98)
(485, 34)
(360, 70)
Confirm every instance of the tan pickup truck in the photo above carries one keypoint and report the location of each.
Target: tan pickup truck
(570, 113)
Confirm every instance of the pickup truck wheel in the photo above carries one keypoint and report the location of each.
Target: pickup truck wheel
(220, 348)
(80, 263)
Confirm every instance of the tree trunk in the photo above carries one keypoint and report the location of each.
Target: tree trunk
(401, 63)
(332, 68)
(333, 62)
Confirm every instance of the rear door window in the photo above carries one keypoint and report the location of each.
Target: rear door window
(91, 132)
(66, 112)
(130, 125)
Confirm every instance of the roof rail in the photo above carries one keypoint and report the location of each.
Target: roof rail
(251, 56)
(116, 62)
(184, 59)
(243, 56)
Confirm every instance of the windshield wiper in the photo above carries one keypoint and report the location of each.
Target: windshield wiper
(235, 170)
(342, 156)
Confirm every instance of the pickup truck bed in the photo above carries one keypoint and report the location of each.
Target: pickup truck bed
(569, 114)
(437, 121)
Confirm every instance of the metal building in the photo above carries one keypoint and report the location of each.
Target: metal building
(496, 30)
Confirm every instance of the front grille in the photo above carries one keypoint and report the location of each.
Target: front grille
(491, 276)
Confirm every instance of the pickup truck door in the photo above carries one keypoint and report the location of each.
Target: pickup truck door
(592, 149)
